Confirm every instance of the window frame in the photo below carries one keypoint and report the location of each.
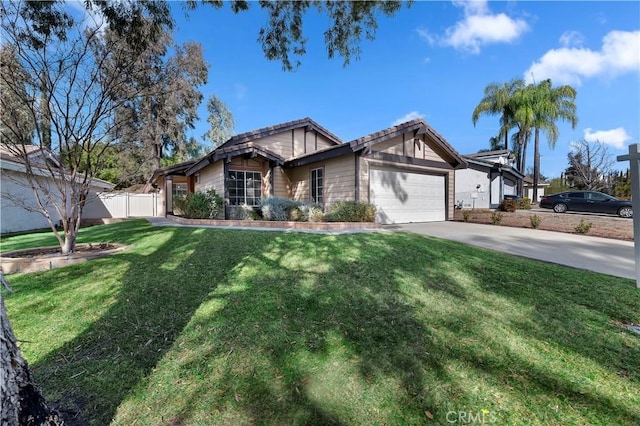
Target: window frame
(313, 197)
(239, 200)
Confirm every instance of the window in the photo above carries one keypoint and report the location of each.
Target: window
(245, 188)
(576, 195)
(596, 196)
(179, 190)
(317, 185)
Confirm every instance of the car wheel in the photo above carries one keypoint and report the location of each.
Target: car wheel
(625, 212)
(560, 208)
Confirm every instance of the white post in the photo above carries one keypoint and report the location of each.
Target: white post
(634, 160)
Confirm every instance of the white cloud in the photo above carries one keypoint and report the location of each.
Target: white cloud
(571, 38)
(240, 91)
(620, 53)
(478, 28)
(614, 137)
(408, 117)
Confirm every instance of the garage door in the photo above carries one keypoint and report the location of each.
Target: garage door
(403, 197)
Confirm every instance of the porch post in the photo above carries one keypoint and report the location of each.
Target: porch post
(225, 167)
(168, 187)
(634, 161)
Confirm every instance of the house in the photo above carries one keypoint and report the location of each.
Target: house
(527, 188)
(489, 177)
(407, 170)
(19, 211)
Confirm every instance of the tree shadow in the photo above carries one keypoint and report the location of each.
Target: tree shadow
(159, 292)
(297, 313)
(267, 328)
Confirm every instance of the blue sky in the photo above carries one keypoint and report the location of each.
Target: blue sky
(433, 60)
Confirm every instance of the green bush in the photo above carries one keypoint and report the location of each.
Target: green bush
(243, 212)
(524, 203)
(284, 209)
(496, 218)
(508, 205)
(535, 221)
(582, 227)
(351, 211)
(199, 205)
(275, 208)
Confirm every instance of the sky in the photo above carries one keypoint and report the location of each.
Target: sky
(433, 60)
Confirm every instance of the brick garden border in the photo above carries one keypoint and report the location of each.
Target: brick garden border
(314, 226)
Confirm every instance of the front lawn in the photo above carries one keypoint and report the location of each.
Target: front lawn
(203, 326)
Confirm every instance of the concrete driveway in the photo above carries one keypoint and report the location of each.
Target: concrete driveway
(604, 255)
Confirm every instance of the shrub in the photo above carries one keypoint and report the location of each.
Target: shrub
(466, 215)
(509, 205)
(199, 205)
(351, 211)
(243, 212)
(524, 203)
(275, 208)
(315, 214)
(535, 221)
(582, 227)
(496, 218)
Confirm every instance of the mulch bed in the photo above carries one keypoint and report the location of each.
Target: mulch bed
(91, 248)
(601, 225)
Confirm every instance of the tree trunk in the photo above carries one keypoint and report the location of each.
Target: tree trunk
(21, 403)
(536, 164)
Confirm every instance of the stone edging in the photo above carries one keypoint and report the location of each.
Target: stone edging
(12, 265)
(316, 226)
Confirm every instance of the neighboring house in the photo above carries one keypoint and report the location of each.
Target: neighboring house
(407, 170)
(527, 188)
(488, 179)
(18, 206)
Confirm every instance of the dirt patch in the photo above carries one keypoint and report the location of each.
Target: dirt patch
(55, 251)
(601, 225)
(44, 258)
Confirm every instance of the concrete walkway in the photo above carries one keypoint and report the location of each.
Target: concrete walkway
(604, 255)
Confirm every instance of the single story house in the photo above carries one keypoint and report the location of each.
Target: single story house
(489, 177)
(19, 209)
(527, 188)
(407, 170)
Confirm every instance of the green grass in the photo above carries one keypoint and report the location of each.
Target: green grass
(202, 326)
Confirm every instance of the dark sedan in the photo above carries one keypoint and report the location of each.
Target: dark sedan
(586, 201)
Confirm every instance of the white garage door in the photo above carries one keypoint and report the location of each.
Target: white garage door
(403, 197)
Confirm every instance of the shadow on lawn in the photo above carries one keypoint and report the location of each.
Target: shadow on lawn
(290, 304)
(159, 294)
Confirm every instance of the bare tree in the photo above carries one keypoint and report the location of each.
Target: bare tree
(61, 88)
(589, 163)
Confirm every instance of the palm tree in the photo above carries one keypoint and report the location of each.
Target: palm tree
(498, 100)
(550, 104)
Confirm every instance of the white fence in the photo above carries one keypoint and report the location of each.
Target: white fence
(122, 205)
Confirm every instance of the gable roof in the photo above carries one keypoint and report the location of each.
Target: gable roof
(279, 128)
(492, 165)
(485, 154)
(232, 151)
(418, 126)
(21, 153)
